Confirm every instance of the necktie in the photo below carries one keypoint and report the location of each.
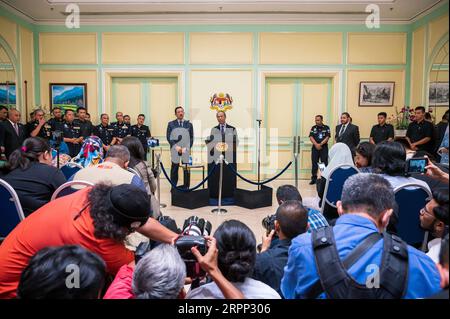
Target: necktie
(16, 128)
(180, 123)
(222, 129)
(343, 127)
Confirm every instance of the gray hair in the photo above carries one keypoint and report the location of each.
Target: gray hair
(120, 152)
(160, 274)
(368, 193)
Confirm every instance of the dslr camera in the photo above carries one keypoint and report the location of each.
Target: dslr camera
(269, 223)
(194, 230)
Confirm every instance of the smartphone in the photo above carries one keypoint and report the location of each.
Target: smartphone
(416, 165)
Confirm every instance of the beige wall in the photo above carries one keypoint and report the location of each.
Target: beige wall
(78, 48)
(425, 42)
(301, 48)
(27, 67)
(20, 40)
(365, 116)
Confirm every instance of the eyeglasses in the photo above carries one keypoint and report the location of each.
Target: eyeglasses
(424, 211)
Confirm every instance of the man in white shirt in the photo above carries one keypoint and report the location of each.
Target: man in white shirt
(434, 218)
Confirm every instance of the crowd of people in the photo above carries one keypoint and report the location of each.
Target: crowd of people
(348, 251)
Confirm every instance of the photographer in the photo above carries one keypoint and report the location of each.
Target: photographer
(98, 218)
(161, 274)
(291, 221)
(31, 174)
(236, 249)
(434, 218)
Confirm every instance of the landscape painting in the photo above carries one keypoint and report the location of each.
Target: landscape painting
(8, 94)
(68, 96)
(376, 93)
(439, 94)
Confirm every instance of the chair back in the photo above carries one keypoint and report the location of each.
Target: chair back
(411, 198)
(11, 213)
(335, 183)
(70, 169)
(70, 188)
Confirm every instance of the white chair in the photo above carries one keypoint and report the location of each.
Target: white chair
(68, 188)
(334, 185)
(10, 208)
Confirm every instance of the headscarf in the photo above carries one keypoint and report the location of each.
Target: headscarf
(91, 152)
(339, 154)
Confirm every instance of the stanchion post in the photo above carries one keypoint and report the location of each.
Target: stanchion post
(158, 180)
(219, 210)
(296, 150)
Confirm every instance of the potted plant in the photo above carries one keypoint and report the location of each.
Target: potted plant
(401, 120)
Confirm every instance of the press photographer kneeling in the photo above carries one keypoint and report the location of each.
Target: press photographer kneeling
(160, 272)
(290, 220)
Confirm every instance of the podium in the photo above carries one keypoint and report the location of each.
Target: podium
(226, 145)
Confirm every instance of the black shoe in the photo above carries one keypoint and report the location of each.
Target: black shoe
(312, 182)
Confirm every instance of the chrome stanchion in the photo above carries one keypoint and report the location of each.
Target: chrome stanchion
(219, 210)
(158, 180)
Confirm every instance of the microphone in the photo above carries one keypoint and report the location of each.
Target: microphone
(259, 121)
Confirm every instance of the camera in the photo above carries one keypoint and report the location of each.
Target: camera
(58, 137)
(416, 165)
(194, 230)
(153, 142)
(269, 223)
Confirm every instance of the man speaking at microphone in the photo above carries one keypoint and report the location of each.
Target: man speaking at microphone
(222, 141)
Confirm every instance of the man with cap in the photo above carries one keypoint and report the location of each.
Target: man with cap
(97, 218)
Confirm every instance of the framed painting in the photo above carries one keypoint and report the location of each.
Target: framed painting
(8, 94)
(68, 96)
(376, 93)
(438, 95)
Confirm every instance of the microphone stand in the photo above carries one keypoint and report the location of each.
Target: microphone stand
(219, 210)
(259, 153)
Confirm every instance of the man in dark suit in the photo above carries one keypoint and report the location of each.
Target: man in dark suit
(222, 133)
(180, 135)
(347, 133)
(13, 132)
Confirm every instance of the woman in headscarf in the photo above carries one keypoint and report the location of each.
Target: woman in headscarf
(339, 155)
(91, 152)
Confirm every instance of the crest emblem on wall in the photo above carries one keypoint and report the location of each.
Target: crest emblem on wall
(221, 102)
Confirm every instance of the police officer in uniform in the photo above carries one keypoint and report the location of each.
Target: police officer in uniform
(121, 129)
(39, 127)
(57, 121)
(319, 136)
(72, 134)
(106, 132)
(142, 132)
(86, 126)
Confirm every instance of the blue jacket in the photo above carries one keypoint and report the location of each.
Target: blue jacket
(300, 272)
